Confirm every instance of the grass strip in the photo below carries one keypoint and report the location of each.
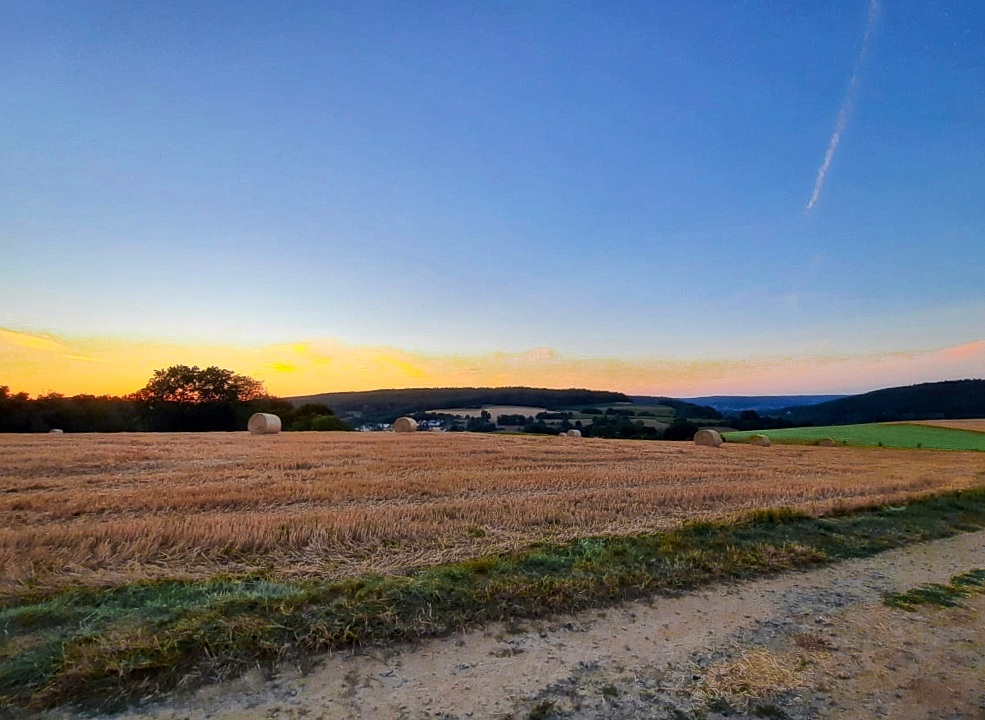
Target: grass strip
(944, 595)
(105, 648)
(890, 435)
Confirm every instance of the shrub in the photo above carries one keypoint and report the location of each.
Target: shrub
(328, 422)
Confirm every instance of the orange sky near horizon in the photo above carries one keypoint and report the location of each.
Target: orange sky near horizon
(39, 363)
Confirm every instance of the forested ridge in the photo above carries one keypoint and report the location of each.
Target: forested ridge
(951, 399)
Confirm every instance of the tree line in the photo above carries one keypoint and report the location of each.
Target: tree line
(383, 406)
(180, 398)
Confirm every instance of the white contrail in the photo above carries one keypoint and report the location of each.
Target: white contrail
(846, 105)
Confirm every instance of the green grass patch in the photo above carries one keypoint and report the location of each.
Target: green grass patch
(107, 647)
(944, 595)
(893, 435)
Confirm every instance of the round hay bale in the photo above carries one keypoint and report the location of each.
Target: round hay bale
(760, 440)
(56, 431)
(826, 442)
(263, 424)
(573, 433)
(709, 438)
(405, 424)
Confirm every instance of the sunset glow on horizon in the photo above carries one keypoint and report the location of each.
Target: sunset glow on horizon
(40, 364)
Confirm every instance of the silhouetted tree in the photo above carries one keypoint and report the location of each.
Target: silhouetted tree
(194, 386)
(183, 398)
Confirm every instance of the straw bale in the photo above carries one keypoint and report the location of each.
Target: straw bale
(405, 424)
(761, 440)
(826, 442)
(573, 433)
(707, 437)
(263, 424)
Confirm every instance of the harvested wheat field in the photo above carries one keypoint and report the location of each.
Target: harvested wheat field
(976, 425)
(101, 509)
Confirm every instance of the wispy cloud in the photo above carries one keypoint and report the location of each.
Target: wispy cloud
(846, 106)
(29, 341)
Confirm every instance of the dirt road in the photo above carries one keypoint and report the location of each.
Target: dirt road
(819, 644)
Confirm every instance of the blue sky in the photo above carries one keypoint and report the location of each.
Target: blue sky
(621, 181)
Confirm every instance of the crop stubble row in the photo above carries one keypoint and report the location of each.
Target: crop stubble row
(101, 509)
(976, 425)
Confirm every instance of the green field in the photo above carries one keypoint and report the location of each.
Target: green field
(894, 435)
(636, 412)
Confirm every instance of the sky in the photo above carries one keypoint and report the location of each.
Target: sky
(661, 198)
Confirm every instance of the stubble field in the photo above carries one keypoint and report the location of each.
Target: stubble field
(977, 425)
(105, 509)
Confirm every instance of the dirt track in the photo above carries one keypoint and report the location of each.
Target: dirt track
(813, 645)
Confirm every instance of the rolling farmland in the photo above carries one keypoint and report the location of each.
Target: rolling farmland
(105, 509)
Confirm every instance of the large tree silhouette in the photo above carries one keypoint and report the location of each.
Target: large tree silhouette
(183, 398)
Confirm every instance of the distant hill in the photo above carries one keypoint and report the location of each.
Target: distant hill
(763, 404)
(385, 405)
(682, 408)
(942, 400)
(951, 399)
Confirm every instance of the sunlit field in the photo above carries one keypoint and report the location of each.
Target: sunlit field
(975, 425)
(102, 509)
(937, 435)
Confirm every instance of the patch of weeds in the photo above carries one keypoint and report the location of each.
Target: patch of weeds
(933, 594)
(514, 627)
(775, 516)
(508, 652)
(720, 705)
(610, 692)
(542, 710)
(769, 710)
(545, 563)
(949, 595)
(971, 582)
(678, 714)
(811, 642)
(481, 566)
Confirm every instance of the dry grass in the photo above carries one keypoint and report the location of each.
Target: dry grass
(976, 425)
(100, 509)
(756, 674)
